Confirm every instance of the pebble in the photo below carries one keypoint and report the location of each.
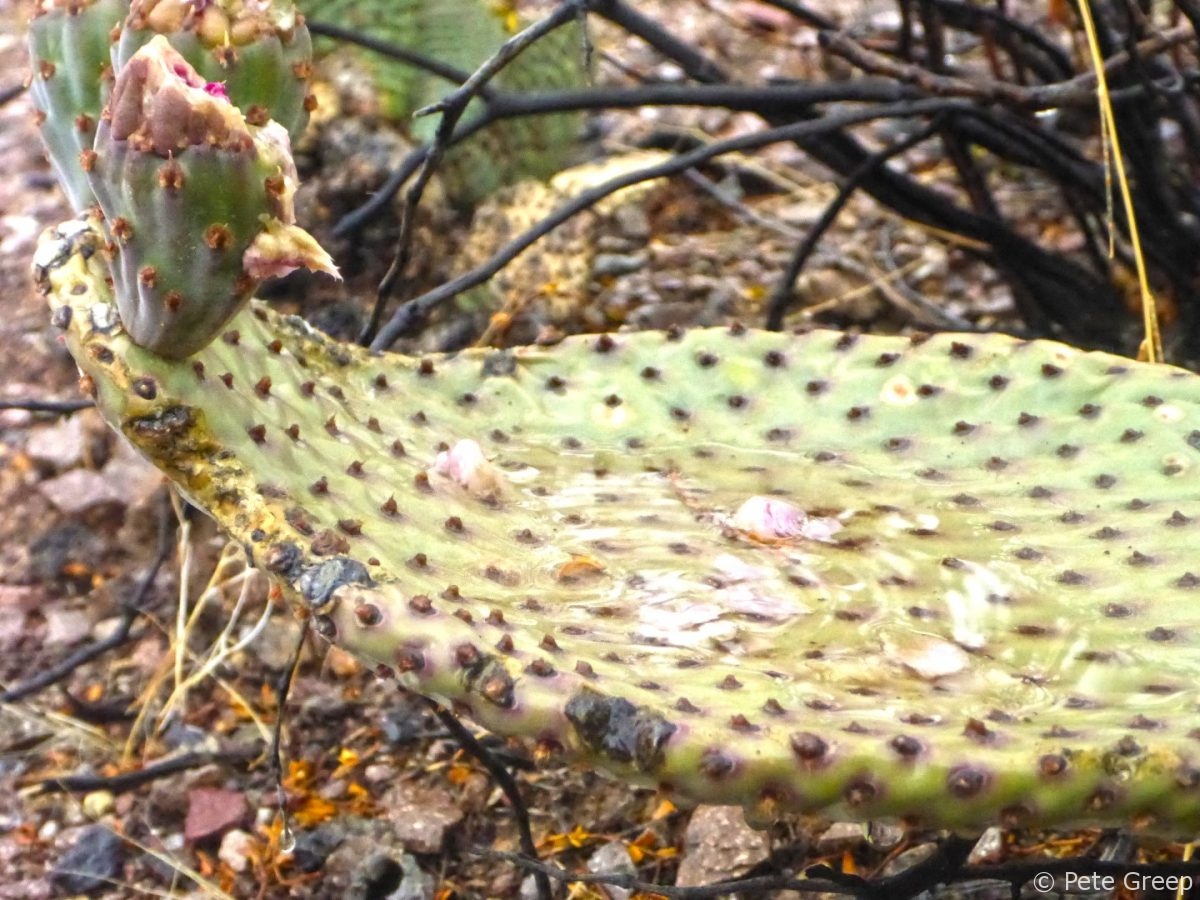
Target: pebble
(988, 849)
(529, 889)
(613, 859)
(133, 475)
(313, 848)
(333, 790)
(182, 736)
(719, 844)
(21, 599)
(909, 858)
(403, 722)
(840, 836)
(80, 490)
(610, 265)
(274, 648)
(884, 836)
(61, 445)
(632, 222)
(212, 811)
(91, 863)
(66, 626)
(235, 849)
(98, 804)
(377, 772)
(421, 816)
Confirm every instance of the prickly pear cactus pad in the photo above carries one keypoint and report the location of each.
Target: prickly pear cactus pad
(260, 50)
(69, 48)
(464, 33)
(952, 581)
(197, 200)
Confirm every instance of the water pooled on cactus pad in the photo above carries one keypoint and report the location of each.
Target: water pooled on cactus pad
(949, 580)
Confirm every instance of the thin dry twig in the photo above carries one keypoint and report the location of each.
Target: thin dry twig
(164, 768)
(61, 407)
(1077, 91)
(782, 295)
(506, 782)
(407, 55)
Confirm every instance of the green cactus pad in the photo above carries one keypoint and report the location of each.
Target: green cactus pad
(197, 200)
(464, 33)
(260, 51)
(69, 52)
(949, 580)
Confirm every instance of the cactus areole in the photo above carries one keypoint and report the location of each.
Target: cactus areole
(950, 581)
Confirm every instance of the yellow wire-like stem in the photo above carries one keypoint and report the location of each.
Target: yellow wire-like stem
(1151, 350)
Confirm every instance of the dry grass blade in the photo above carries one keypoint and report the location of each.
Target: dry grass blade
(1152, 348)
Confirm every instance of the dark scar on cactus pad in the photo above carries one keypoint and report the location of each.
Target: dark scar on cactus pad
(318, 582)
(615, 728)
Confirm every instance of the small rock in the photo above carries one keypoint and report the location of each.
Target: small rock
(80, 490)
(182, 736)
(92, 862)
(840, 836)
(212, 811)
(66, 626)
(613, 859)
(12, 627)
(20, 598)
(719, 844)
(884, 836)
(61, 445)
(988, 849)
(909, 858)
(235, 849)
(277, 644)
(632, 222)
(611, 265)
(98, 804)
(139, 483)
(314, 847)
(421, 816)
(333, 790)
(529, 889)
(377, 772)
(762, 17)
(403, 722)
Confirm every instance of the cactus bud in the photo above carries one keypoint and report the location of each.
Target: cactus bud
(69, 51)
(259, 49)
(198, 202)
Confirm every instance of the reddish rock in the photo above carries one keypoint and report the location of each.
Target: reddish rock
(80, 490)
(213, 811)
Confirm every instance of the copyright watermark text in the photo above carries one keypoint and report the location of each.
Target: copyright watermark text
(1078, 882)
